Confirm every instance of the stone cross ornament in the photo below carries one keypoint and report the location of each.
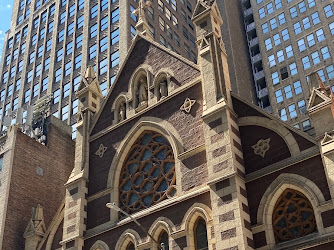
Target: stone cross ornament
(140, 11)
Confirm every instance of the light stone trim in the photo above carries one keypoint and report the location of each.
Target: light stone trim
(99, 245)
(159, 225)
(129, 235)
(191, 152)
(274, 126)
(272, 194)
(162, 205)
(144, 124)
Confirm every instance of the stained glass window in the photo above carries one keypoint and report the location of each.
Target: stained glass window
(293, 216)
(201, 238)
(148, 175)
(130, 246)
(163, 239)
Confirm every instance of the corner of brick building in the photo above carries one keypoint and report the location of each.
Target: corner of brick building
(28, 188)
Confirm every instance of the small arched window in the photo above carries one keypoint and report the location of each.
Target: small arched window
(130, 246)
(293, 216)
(201, 237)
(163, 240)
(148, 173)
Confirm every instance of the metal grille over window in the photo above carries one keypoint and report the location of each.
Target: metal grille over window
(293, 216)
(148, 175)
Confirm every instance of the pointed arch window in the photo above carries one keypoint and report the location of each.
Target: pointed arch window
(201, 237)
(148, 174)
(293, 216)
(163, 239)
(130, 246)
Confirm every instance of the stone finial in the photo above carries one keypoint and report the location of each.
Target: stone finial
(36, 228)
(142, 25)
(90, 74)
(316, 82)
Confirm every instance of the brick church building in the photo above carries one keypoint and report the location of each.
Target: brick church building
(195, 166)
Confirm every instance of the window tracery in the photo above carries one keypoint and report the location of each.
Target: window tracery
(148, 174)
(293, 216)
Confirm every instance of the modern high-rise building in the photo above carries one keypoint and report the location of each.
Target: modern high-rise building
(50, 43)
(288, 40)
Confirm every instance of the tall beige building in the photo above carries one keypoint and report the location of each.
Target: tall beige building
(50, 43)
(288, 40)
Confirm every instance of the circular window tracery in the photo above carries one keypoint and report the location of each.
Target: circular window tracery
(293, 216)
(148, 175)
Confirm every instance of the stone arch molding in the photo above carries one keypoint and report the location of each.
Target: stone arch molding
(195, 212)
(127, 236)
(274, 191)
(144, 124)
(274, 126)
(159, 225)
(99, 245)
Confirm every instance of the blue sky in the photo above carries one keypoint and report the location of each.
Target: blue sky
(6, 8)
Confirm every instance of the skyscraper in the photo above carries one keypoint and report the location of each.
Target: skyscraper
(288, 40)
(50, 43)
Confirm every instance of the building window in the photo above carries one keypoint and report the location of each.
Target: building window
(275, 78)
(103, 66)
(292, 111)
(94, 11)
(330, 71)
(132, 9)
(315, 57)
(302, 106)
(45, 84)
(282, 114)
(297, 87)
(35, 90)
(288, 92)
(325, 53)
(265, 28)
(315, 18)
(78, 41)
(115, 36)
(150, 146)
(77, 62)
(114, 15)
(320, 35)
(56, 96)
(104, 23)
(294, 209)
(27, 96)
(279, 96)
(301, 45)
(306, 62)
(115, 59)
(201, 237)
(306, 125)
(93, 31)
(64, 113)
(92, 51)
(104, 88)
(293, 69)
(310, 40)
(68, 68)
(297, 28)
(328, 11)
(164, 240)
(66, 89)
(104, 44)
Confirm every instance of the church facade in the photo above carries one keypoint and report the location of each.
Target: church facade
(189, 164)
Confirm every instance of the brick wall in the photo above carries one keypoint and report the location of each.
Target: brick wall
(27, 188)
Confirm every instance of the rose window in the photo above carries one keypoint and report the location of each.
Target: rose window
(148, 175)
(293, 216)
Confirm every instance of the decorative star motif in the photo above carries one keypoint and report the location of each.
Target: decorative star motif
(261, 147)
(187, 105)
(101, 150)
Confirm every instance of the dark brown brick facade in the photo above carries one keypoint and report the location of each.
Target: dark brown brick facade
(29, 189)
(311, 169)
(328, 218)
